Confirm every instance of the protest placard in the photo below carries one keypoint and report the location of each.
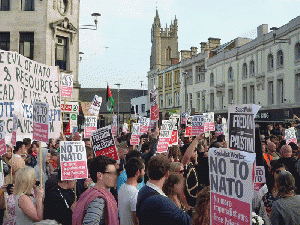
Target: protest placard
(145, 123)
(184, 117)
(259, 177)
(90, 125)
(66, 85)
(174, 138)
(154, 110)
(73, 160)
(176, 119)
(114, 127)
(164, 136)
(197, 125)
(290, 135)
(14, 130)
(231, 186)
(188, 128)
(242, 127)
(103, 143)
(96, 105)
(26, 81)
(125, 128)
(209, 124)
(40, 119)
(135, 134)
(2, 139)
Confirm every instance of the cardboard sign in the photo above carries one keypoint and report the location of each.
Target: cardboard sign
(151, 125)
(197, 125)
(154, 110)
(290, 135)
(165, 136)
(176, 119)
(40, 119)
(174, 138)
(231, 186)
(242, 127)
(125, 128)
(184, 117)
(209, 124)
(14, 131)
(103, 143)
(188, 129)
(73, 160)
(26, 81)
(90, 125)
(259, 177)
(114, 128)
(135, 134)
(66, 85)
(2, 139)
(96, 105)
(144, 122)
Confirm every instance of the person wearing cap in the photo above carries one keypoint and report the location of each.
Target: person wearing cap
(286, 209)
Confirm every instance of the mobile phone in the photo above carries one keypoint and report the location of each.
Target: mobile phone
(8, 189)
(37, 183)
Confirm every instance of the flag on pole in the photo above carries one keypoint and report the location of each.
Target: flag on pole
(109, 100)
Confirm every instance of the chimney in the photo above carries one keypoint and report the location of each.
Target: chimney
(203, 46)
(194, 50)
(262, 30)
(213, 43)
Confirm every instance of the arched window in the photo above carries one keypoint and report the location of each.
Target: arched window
(168, 53)
(211, 79)
(230, 74)
(252, 68)
(297, 52)
(270, 62)
(245, 71)
(280, 58)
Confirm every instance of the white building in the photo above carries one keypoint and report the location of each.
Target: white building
(140, 106)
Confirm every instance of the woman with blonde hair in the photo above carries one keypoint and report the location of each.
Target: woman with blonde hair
(28, 209)
(176, 167)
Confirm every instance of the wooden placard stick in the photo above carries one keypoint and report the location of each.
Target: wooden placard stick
(41, 162)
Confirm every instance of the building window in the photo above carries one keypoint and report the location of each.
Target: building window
(61, 53)
(212, 101)
(203, 101)
(270, 62)
(4, 41)
(297, 52)
(245, 71)
(297, 88)
(279, 59)
(280, 90)
(137, 109)
(4, 5)
(189, 77)
(221, 100)
(27, 44)
(245, 95)
(191, 100)
(27, 5)
(177, 98)
(199, 101)
(161, 101)
(132, 109)
(168, 53)
(143, 108)
(230, 96)
(211, 80)
(270, 93)
(252, 68)
(252, 94)
(169, 100)
(200, 74)
(230, 74)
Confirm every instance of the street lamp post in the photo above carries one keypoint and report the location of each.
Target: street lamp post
(118, 120)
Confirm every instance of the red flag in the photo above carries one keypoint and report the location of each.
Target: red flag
(67, 130)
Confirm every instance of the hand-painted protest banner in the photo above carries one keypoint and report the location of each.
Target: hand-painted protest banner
(290, 135)
(165, 136)
(2, 139)
(103, 143)
(73, 160)
(154, 110)
(26, 81)
(114, 128)
(242, 127)
(125, 128)
(40, 120)
(231, 186)
(96, 105)
(14, 130)
(184, 117)
(259, 177)
(66, 85)
(209, 124)
(144, 122)
(135, 134)
(197, 125)
(90, 125)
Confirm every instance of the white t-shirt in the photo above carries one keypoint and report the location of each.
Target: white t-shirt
(127, 198)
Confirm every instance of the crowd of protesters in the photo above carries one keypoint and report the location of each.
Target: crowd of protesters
(142, 187)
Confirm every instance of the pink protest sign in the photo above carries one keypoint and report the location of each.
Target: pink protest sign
(73, 160)
(90, 125)
(231, 186)
(174, 138)
(145, 122)
(14, 131)
(209, 124)
(40, 119)
(154, 105)
(184, 118)
(135, 134)
(164, 136)
(290, 135)
(114, 128)
(2, 139)
(66, 85)
(197, 125)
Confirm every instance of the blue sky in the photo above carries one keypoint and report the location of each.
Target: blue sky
(119, 51)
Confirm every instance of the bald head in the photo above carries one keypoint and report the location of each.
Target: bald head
(271, 147)
(286, 151)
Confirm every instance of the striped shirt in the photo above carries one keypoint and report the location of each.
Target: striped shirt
(95, 213)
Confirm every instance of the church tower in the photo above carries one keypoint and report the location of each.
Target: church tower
(164, 50)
